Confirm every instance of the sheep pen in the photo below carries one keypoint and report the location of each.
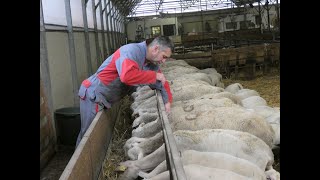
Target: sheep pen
(267, 86)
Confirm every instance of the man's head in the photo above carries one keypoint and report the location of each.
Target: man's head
(159, 50)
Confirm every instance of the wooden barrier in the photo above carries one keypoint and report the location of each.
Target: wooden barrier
(86, 162)
(229, 59)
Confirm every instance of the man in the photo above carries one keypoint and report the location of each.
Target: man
(131, 65)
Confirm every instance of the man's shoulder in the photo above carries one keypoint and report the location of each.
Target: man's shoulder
(133, 50)
(131, 46)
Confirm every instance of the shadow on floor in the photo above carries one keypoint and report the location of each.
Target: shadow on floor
(57, 164)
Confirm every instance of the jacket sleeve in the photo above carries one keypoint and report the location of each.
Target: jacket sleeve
(165, 90)
(131, 74)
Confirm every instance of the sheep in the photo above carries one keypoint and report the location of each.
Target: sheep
(228, 95)
(216, 79)
(174, 63)
(253, 101)
(244, 145)
(199, 105)
(187, 110)
(244, 119)
(245, 93)
(235, 118)
(213, 160)
(276, 129)
(145, 118)
(194, 171)
(147, 130)
(140, 111)
(162, 167)
(265, 111)
(274, 118)
(208, 70)
(191, 76)
(140, 90)
(176, 83)
(146, 163)
(144, 95)
(192, 91)
(151, 101)
(220, 113)
(233, 88)
(136, 148)
(180, 69)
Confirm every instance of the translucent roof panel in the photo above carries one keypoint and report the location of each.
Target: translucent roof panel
(157, 7)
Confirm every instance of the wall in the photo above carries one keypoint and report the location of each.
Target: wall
(251, 13)
(195, 21)
(146, 24)
(47, 130)
(60, 68)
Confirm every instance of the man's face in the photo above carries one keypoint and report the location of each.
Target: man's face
(159, 56)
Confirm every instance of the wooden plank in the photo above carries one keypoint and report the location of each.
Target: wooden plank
(87, 161)
(200, 63)
(191, 55)
(79, 167)
(174, 159)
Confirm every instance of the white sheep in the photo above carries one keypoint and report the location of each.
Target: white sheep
(195, 171)
(213, 160)
(244, 145)
(245, 93)
(253, 101)
(233, 88)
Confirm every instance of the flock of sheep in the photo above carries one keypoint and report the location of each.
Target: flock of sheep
(220, 132)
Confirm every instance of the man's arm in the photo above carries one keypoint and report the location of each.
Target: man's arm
(131, 74)
(165, 92)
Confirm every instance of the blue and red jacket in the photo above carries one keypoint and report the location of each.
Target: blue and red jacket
(119, 73)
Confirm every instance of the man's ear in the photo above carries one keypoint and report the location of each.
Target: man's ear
(156, 48)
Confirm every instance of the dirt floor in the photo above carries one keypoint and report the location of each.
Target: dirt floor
(267, 86)
(57, 164)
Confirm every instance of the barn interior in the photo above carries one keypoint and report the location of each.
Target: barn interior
(240, 39)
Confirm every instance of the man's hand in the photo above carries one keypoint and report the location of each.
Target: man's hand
(160, 77)
(167, 107)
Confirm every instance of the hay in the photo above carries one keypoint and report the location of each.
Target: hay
(122, 132)
(267, 86)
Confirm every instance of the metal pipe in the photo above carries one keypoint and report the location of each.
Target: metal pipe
(72, 53)
(278, 15)
(86, 36)
(117, 32)
(98, 58)
(111, 28)
(260, 18)
(107, 27)
(116, 28)
(44, 65)
(267, 4)
(104, 49)
(121, 30)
